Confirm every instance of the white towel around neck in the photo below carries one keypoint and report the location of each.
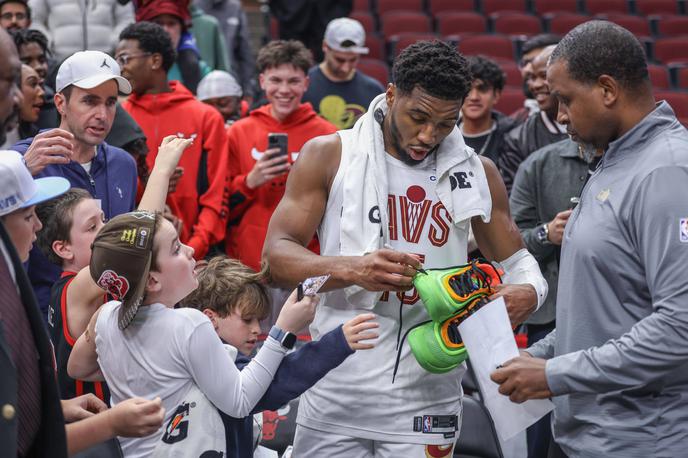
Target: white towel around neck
(365, 186)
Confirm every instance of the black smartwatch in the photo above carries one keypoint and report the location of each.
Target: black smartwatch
(285, 338)
(542, 234)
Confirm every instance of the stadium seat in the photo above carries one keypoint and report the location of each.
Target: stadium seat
(606, 6)
(561, 24)
(361, 6)
(647, 7)
(555, 6)
(478, 437)
(498, 46)
(376, 47)
(669, 26)
(681, 76)
(386, 6)
(442, 6)
(498, 6)
(638, 25)
(511, 100)
(366, 19)
(279, 427)
(375, 68)
(659, 76)
(671, 50)
(402, 40)
(512, 72)
(516, 24)
(461, 23)
(677, 100)
(404, 22)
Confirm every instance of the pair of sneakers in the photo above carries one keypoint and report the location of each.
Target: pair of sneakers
(450, 296)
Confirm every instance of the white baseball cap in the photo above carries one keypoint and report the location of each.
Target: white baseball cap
(19, 189)
(88, 69)
(346, 35)
(217, 84)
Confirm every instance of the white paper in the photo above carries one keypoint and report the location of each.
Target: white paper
(489, 339)
(263, 452)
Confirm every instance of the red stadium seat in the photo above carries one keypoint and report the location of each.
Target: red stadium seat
(386, 6)
(670, 26)
(442, 6)
(681, 74)
(496, 46)
(376, 47)
(677, 100)
(361, 6)
(555, 6)
(647, 7)
(366, 19)
(607, 6)
(375, 69)
(496, 6)
(637, 25)
(561, 24)
(516, 24)
(405, 22)
(402, 40)
(659, 76)
(461, 23)
(511, 100)
(512, 72)
(671, 50)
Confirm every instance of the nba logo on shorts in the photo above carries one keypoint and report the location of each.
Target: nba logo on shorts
(427, 424)
(683, 230)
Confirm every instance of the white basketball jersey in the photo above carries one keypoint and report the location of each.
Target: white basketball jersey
(358, 398)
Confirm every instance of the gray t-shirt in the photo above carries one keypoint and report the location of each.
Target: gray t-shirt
(619, 355)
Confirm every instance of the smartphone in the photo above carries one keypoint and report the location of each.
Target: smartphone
(573, 202)
(278, 141)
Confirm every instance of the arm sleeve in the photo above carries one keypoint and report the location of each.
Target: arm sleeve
(512, 156)
(240, 195)
(220, 48)
(523, 203)
(232, 391)
(244, 57)
(302, 368)
(210, 226)
(544, 348)
(657, 344)
(123, 16)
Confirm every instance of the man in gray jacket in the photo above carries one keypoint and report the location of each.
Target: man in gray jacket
(617, 364)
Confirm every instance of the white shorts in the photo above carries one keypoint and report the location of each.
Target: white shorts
(313, 443)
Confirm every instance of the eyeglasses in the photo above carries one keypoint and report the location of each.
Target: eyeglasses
(123, 59)
(9, 15)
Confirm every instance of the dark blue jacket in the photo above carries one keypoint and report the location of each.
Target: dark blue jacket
(112, 180)
(299, 371)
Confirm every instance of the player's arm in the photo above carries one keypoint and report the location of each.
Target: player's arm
(297, 217)
(500, 240)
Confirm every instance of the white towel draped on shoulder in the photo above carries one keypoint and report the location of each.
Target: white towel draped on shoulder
(365, 186)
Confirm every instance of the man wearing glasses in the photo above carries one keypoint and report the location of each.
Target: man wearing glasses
(15, 15)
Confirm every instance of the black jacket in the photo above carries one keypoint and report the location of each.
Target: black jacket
(51, 440)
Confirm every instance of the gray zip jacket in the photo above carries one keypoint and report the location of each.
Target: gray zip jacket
(618, 360)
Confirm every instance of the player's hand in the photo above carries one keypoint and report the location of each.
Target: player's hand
(556, 227)
(81, 407)
(355, 330)
(51, 147)
(266, 168)
(386, 270)
(520, 300)
(523, 378)
(136, 417)
(296, 315)
(169, 153)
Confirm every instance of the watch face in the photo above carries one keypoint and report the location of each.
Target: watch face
(289, 340)
(541, 234)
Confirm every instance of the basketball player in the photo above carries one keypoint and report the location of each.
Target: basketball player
(407, 151)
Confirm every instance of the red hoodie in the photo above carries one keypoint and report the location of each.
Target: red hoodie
(198, 199)
(248, 139)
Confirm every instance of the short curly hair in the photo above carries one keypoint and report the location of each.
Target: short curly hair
(152, 38)
(598, 48)
(280, 52)
(23, 37)
(488, 71)
(434, 66)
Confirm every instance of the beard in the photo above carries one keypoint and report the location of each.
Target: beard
(401, 152)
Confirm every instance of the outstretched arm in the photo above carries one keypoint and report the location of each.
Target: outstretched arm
(297, 217)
